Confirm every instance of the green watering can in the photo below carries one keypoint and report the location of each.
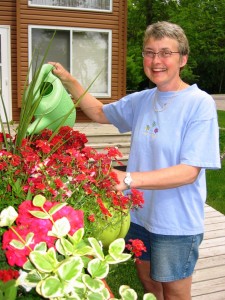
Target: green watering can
(55, 105)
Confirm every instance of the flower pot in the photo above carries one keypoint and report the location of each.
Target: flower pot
(108, 288)
(115, 227)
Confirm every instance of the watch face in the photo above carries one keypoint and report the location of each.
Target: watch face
(127, 180)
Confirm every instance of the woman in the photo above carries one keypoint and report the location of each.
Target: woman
(174, 139)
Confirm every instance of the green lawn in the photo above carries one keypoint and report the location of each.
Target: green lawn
(216, 188)
(221, 118)
(125, 273)
(216, 178)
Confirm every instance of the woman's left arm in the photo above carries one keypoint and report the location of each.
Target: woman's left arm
(161, 179)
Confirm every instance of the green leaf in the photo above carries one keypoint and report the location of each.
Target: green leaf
(86, 260)
(96, 247)
(116, 247)
(105, 293)
(66, 246)
(129, 294)
(71, 268)
(8, 216)
(123, 257)
(98, 268)
(42, 261)
(27, 280)
(95, 285)
(76, 296)
(149, 296)
(17, 244)
(52, 256)
(33, 277)
(78, 235)
(39, 201)
(8, 290)
(60, 228)
(28, 266)
(85, 250)
(80, 246)
(95, 296)
(119, 258)
(51, 287)
(39, 214)
(56, 208)
(29, 238)
(42, 246)
(20, 245)
(29, 195)
(60, 247)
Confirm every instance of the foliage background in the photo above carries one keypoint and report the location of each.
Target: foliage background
(203, 22)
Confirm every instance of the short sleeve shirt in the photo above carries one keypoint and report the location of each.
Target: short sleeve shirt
(185, 132)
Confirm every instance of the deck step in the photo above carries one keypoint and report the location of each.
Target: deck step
(108, 138)
(124, 148)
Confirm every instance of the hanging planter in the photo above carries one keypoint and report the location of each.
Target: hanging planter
(114, 227)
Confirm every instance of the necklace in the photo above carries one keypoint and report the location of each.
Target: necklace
(164, 105)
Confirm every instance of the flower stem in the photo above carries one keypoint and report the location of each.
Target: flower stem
(21, 239)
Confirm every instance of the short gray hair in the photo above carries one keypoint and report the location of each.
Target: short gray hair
(163, 29)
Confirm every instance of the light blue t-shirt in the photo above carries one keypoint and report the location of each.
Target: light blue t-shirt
(186, 132)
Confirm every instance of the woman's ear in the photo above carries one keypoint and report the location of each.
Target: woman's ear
(183, 60)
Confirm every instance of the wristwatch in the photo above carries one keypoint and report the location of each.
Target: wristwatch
(127, 180)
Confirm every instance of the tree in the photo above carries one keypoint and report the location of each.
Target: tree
(203, 22)
(204, 26)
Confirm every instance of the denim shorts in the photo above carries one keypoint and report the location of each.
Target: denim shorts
(172, 257)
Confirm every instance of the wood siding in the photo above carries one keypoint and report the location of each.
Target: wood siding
(19, 15)
(8, 17)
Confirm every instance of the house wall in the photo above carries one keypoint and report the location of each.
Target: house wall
(8, 17)
(116, 21)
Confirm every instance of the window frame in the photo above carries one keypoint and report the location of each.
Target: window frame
(110, 10)
(107, 94)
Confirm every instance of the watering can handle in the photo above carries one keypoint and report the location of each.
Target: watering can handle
(46, 73)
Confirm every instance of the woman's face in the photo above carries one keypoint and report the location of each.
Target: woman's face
(164, 71)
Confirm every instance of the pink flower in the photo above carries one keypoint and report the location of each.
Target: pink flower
(26, 223)
(75, 217)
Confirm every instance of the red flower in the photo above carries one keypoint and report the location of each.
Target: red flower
(43, 145)
(136, 247)
(103, 208)
(91, 218)
(137, 198)
(58, 182)
(6, 275)
(2, 137)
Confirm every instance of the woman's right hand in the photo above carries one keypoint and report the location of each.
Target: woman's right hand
(61, 73)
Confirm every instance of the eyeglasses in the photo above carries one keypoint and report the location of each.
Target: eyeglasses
(161, 53)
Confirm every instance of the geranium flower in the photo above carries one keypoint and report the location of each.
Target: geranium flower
(27, 222)
(136, 247)
(6, 275)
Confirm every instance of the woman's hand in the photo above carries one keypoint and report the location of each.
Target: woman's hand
(121, 186)
(61, 72)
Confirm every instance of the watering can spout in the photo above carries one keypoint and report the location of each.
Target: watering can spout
(55, 107)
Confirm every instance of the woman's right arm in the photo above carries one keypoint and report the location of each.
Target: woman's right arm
(88, 103)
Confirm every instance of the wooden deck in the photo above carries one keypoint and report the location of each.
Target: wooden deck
(209, 275)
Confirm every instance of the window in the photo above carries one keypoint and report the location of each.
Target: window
(100, 5)
(85, 53)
